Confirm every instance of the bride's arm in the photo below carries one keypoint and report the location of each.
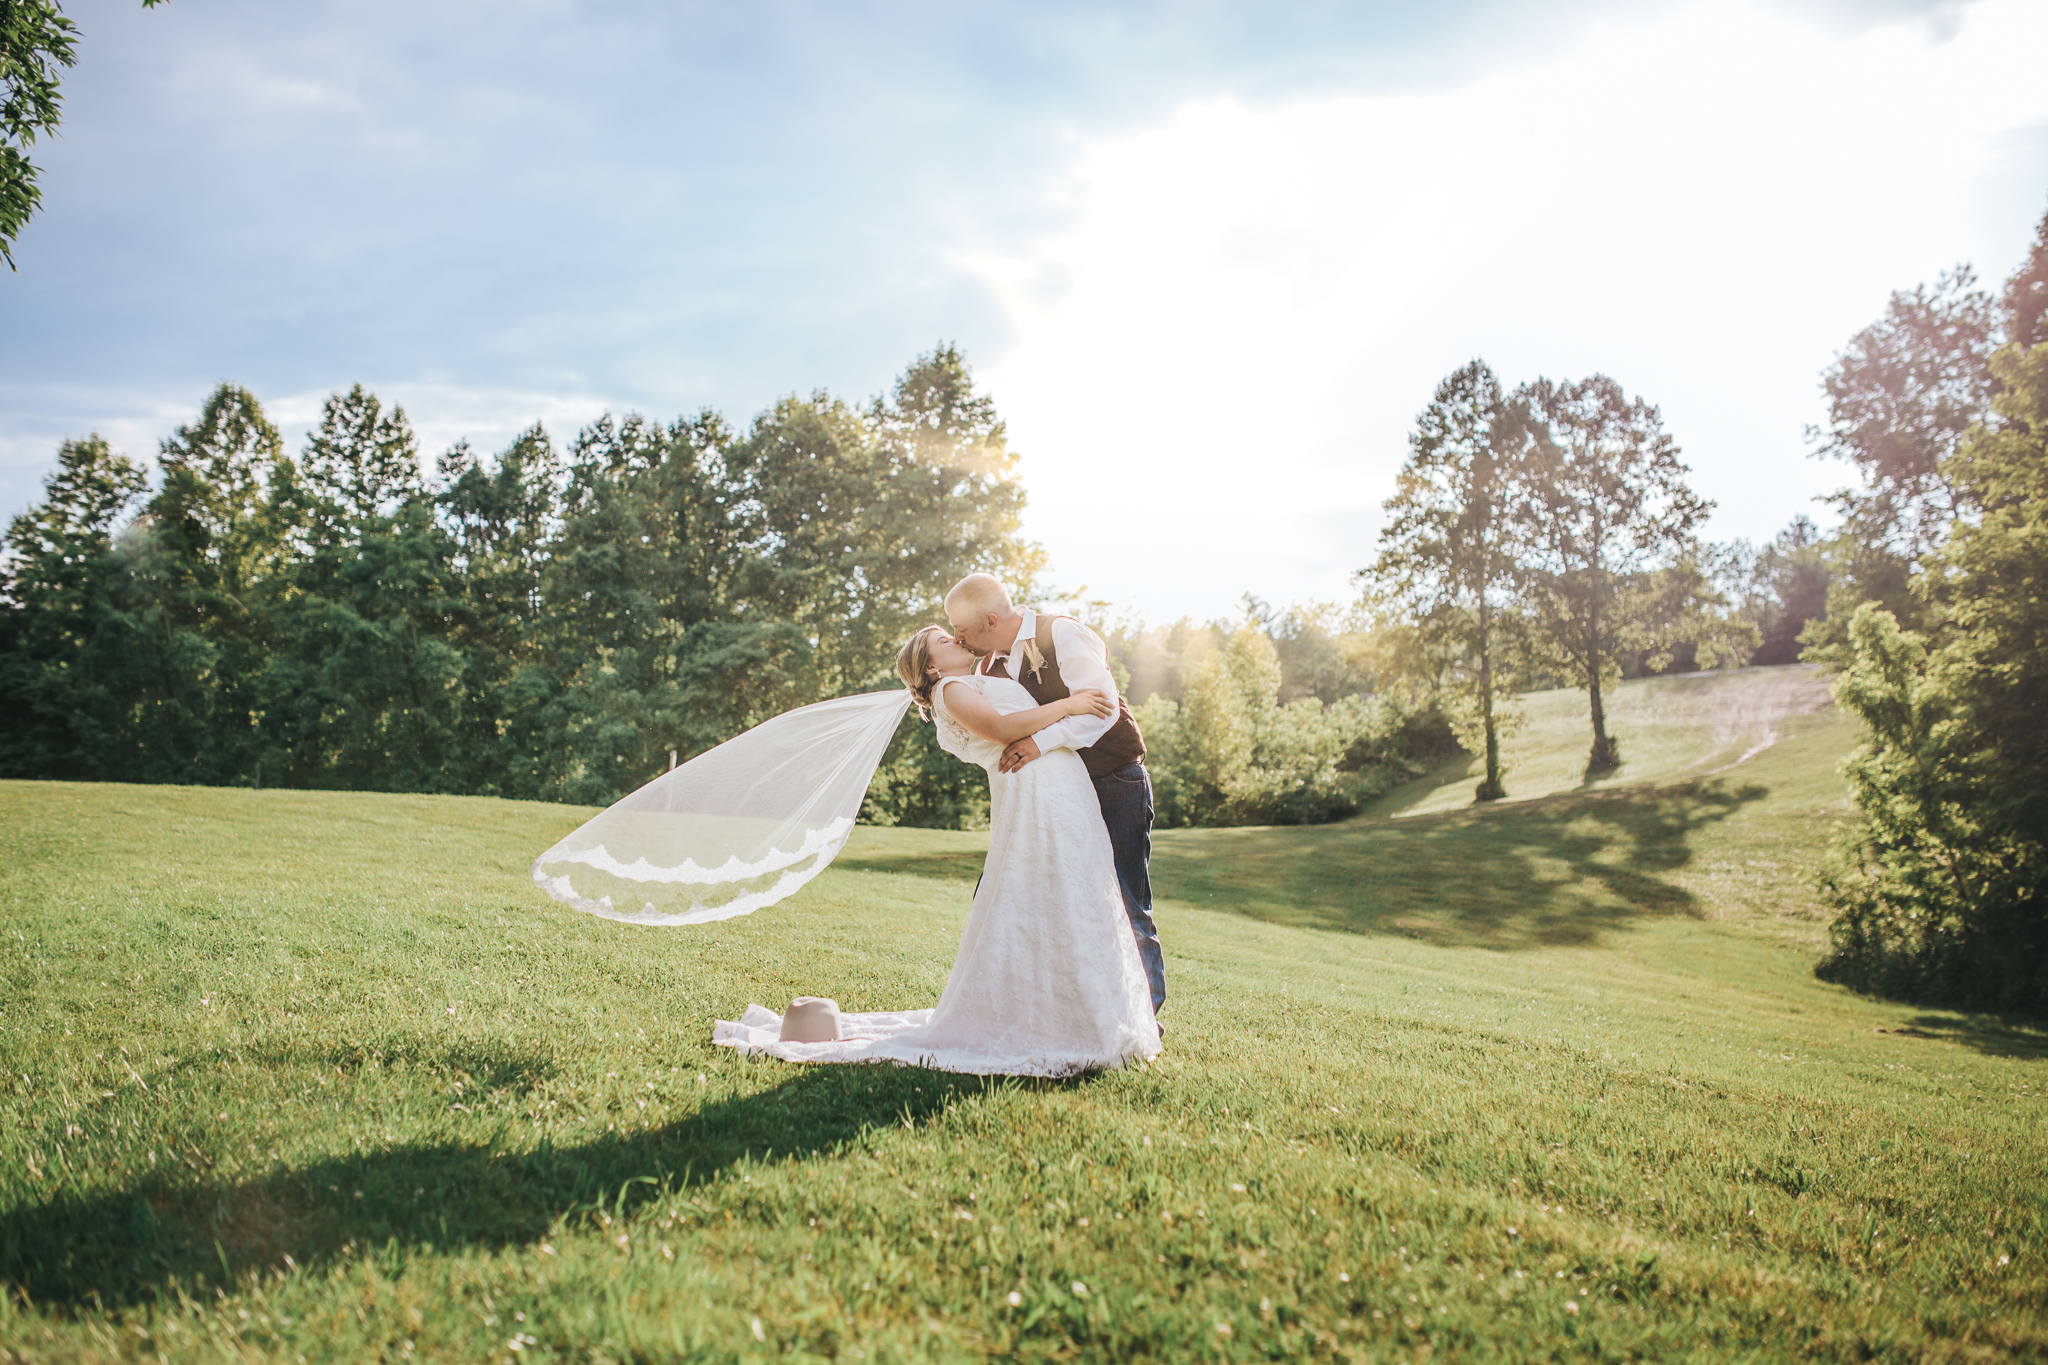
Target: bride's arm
(973, 710)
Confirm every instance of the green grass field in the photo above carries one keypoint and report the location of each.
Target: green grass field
(314, 1076)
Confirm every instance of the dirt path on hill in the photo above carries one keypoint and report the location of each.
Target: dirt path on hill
(1755, 716)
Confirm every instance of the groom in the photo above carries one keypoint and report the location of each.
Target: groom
(1054, 656)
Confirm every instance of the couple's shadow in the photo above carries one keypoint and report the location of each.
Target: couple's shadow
(128, 1245)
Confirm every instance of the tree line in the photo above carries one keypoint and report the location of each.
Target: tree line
(540, 623)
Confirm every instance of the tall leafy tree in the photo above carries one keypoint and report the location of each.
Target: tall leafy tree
(217, 512)
(1901, 396)
(218, 539)
(1785, 588)
(2026, 294)
(501, 518)
(362, 685)
(1600, 507)
(867, 516)
(1943, 894)
(37, 41)
(1443, 554)
(68, 644)
(363, 461)
(653, 637)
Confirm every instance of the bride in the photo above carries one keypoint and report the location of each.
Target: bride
(1047, 981)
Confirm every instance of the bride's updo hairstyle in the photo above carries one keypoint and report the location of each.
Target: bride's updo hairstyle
(914, 666)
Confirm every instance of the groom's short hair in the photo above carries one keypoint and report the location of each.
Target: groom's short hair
(980, 593)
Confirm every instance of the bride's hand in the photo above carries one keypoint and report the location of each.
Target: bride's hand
(1090, 702)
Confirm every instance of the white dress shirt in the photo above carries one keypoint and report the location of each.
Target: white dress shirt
(1083, 663)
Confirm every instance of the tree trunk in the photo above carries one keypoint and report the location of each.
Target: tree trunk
(1490, 789)
(1606, 753)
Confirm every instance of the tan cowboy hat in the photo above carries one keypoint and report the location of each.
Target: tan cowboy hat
(810, 1019)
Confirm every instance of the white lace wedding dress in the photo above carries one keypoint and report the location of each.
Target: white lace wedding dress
(1047, 981)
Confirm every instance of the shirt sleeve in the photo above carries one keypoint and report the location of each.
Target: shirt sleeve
(1084, 666)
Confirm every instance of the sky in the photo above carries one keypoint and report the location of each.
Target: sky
(1210, 259)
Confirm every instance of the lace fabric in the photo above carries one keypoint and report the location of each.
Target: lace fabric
(735, 829)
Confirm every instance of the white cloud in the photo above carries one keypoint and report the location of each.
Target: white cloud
(133, 422)
(1217, 361)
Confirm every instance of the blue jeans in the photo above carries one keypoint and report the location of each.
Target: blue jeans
(1126, 797)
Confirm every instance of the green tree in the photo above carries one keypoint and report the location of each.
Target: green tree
(1229, 753)
(1443, 555)
(1599, 506)
(68, 646)
(1319, 655)
(36, 42)
(217, 508)
(653, 635)
(363, 461)
(361, 685)
(867, 516)
(1942, 894)
(2026, 294)
(501, 519)
(1784, 587)
(1901, 396)
(1686, 617)
(217, 542)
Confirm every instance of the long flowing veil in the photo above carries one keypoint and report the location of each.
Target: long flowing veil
(736, 828)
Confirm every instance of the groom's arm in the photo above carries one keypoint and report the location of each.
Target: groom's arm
(1083, 664)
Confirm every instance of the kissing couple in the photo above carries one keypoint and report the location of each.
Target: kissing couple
(1059, 969)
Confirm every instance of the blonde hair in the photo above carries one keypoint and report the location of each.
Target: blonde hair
(914, 666)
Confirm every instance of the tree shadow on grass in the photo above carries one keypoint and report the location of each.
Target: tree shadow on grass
(132, 1245)
(1555, 871)
(962, 866)
(2022, 1040)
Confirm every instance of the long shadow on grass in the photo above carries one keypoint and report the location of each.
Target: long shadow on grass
(130, 1245)
(1554, 871)
(2023, 1040)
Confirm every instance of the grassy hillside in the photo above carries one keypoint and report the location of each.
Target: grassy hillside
(1669, 729)
(312, 1075)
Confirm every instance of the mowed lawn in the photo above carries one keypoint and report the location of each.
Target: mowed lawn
(293, 1075)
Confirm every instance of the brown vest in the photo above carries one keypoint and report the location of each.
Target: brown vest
(1120, 745)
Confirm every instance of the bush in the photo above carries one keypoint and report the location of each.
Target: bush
(1228, 753)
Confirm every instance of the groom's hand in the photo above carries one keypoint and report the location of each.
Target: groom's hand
(1020, 752)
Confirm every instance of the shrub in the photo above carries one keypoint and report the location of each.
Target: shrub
(1228, 753)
